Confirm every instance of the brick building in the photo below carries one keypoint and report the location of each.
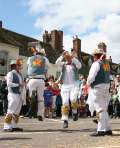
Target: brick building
(55, 39)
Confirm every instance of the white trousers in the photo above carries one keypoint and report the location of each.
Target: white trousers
(14, 107)
(100, 100)
(39, 86)
(69, 92)
(101, 97)
(103, 123)
(90, 101)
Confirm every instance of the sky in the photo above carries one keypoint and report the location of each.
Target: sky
(93, 21)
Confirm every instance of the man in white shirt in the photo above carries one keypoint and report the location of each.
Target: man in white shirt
(37, 69)
(15, 84)
(99, 82)
(69, 88)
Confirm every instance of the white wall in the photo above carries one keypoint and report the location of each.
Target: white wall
(13, 53)
(52, 69)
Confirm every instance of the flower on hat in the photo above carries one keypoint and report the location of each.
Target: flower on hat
(33, 49)
(43, 51)
(97, 51)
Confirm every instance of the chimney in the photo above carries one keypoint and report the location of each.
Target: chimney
(46, 37)
(0, 24)
(57, 40)
(77, 46)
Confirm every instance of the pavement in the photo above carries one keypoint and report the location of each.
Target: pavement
(50, 134)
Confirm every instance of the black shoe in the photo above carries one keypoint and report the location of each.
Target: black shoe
(47, 116)
(40, 118)
(7, 130)
(100, 133)
(95, 121)
(17, 129)
(109, 133)
(26, 115)
(75, 117)
(65, 124)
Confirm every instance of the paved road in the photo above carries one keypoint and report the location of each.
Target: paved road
(49, 134)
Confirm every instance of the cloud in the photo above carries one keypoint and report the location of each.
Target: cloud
(92, 20)
(75, 14)
(67, 41)
(111, 27)
(38, 6)
(108, 32)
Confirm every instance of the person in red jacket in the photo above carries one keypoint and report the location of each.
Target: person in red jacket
(55, 91)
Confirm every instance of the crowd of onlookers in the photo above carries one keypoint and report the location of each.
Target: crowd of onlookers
(114, 104)
(53, 101)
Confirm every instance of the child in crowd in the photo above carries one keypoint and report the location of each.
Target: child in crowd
(47, 100)
(82, 107)
(55, 91)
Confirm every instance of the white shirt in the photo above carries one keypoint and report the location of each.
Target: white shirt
(93, 72)
(59, 62)
(69, 74)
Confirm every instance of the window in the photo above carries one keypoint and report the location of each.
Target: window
(3, 62)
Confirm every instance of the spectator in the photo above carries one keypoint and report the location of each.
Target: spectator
(3, 97)
(47, 100)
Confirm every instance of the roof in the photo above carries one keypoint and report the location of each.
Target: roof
(13, 38)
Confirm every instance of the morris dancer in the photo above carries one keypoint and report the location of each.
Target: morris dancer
(37, 69)
(69, 89)
(99, 82)
(15, 85)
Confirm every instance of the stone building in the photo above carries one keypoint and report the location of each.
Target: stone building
(55, 39)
